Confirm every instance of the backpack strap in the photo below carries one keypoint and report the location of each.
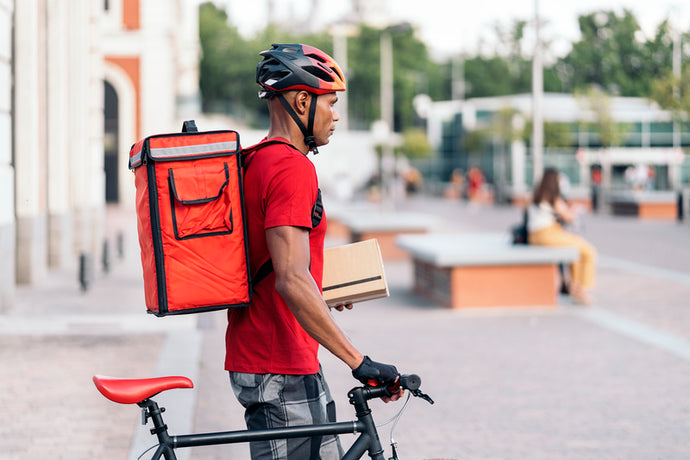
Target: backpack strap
(316, 212)
(244, 154)
(262, 272)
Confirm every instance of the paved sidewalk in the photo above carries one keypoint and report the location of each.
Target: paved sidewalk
(605, 382)
(57, 337)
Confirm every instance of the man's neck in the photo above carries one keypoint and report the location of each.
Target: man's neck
(294, 138)
(283, 126)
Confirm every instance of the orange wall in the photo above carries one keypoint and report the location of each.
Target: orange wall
(130, 65)
(130, 14)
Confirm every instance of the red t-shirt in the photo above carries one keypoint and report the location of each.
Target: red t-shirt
(280, 188)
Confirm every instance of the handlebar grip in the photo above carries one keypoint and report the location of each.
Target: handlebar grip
(410, 382)
(374, 389)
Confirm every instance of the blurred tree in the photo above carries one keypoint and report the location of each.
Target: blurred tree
(226, 62)
(613, 54)
(415, 144)
(555, 134)
(476, 140)
(413, 73)
(487, 77)
(672, 92)
(611, 133)
(509, 69)
(503, 127)
(227, 71)
(364, 77)
(658, 53)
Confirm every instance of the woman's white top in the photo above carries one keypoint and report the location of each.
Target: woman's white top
(540, 216)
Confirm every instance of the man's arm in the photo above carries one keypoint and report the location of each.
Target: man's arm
(290, 254)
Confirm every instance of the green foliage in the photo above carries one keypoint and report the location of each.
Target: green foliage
(489, 77)
(555, 134)
(673, 93)
(413, 73)
(502, 127)
(476, 140)
(227, 65)
(415, 144)
(610, 132)
(227, 71)
(508, 70)
(364, 77)
(611, 54)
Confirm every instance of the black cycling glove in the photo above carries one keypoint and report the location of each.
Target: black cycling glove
(368, 370)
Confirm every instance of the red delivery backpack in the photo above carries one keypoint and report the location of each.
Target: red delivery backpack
(190, 221)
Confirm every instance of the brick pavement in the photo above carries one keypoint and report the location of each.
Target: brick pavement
(54, 340)
(604, 382)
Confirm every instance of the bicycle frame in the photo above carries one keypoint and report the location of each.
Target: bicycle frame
(367, 441)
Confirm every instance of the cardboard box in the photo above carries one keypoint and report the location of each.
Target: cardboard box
(353, 273)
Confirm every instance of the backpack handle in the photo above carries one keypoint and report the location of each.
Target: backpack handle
(189, 126)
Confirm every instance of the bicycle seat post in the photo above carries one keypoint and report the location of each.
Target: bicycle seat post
(160, 429)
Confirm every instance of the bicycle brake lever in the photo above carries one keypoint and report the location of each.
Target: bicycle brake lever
(419, 394)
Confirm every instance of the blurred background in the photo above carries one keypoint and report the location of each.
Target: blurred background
(435, 89)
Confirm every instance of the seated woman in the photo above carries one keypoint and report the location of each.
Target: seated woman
(544, 213)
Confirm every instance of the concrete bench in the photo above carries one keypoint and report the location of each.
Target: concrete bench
(644, 204)
(479, 270)
(384, 226)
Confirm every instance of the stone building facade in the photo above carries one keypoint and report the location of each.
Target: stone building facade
(80, 82)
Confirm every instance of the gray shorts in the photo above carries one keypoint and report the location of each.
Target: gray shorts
(275, 400)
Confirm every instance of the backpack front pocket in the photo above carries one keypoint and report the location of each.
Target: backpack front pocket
(200, 200)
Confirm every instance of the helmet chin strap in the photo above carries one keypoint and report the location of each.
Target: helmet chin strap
(308, 131)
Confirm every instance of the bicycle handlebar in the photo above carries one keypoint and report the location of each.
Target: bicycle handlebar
(410, 382)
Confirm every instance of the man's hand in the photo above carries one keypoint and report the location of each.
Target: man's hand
(385, 374)
(340, 307)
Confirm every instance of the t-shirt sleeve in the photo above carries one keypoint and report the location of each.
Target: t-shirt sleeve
(291, 193)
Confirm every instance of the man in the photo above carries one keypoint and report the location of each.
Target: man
(272, 346)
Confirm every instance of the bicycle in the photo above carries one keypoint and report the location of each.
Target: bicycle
(140, 392)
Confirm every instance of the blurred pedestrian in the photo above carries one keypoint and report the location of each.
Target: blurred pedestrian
(596, 186)
(475, 183)
(544, 213)
(456, 187)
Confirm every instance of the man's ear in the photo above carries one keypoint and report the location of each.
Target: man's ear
(302, 99)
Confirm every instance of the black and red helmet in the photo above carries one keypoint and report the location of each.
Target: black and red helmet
(295, 66)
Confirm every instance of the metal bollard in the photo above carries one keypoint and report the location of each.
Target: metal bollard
(681, 211)
(106, 256)
(85, 271)
(121, 245)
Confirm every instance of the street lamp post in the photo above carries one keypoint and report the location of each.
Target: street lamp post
(387, 98)
(537, 101)
(387, 160)
(387, 78)
(341, 31)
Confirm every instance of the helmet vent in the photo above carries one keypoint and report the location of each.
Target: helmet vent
(337, 72)
(317, 57)
(278, 75)
(319, 73)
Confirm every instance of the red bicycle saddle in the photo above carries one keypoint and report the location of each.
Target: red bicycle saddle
(131, 391)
